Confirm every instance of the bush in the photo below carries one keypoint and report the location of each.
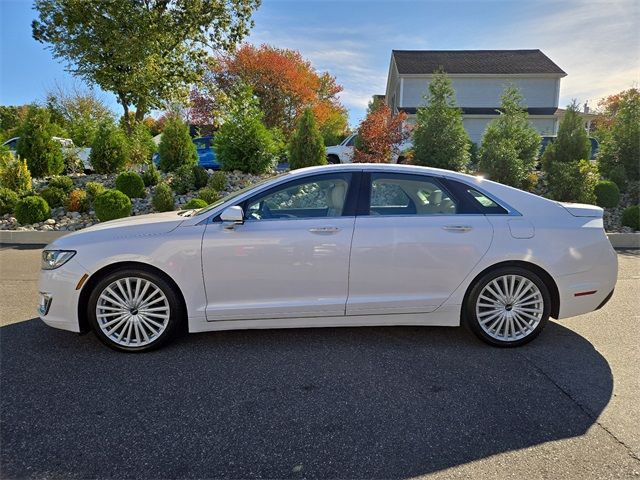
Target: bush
(195, 203)
(162, 200)
(55, 197)
(109, 151)
(439, 137)
(631, 217)
(63, 183)
(209, 195)
(183, 180)
(141, 145)
(151, 175)
(572, 181)
(32, 209)
(200, 176)
(131, 184)
(94, 189)
(37, 146)
(15, 176)
(243, 142)
(176, 147)
(112, 204)
(8, 200)
(78, 201)
(617, 175)
(218, 181)
(72, 161)
(607, 194)
(307, 145)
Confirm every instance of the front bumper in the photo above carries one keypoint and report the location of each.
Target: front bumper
(59, 298)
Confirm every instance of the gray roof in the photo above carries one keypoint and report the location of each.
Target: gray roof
(475, 61)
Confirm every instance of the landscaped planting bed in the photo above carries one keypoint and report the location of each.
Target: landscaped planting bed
(62, 219)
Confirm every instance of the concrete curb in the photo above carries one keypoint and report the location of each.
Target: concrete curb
(21, 237)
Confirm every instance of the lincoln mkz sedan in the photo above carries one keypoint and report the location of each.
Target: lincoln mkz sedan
(338, 245)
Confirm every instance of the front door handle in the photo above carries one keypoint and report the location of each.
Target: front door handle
(457, 228)
(324, 230)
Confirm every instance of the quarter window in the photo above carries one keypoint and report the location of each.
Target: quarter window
(409, 195)
(318, 198)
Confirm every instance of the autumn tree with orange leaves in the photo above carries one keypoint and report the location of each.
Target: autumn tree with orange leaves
(380, 135)
(283, 81)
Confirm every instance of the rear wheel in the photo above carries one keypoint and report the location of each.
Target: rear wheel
(134, 310)
(333, 159)
(508, 307)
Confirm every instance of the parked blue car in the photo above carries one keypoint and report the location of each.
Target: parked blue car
(206, 155)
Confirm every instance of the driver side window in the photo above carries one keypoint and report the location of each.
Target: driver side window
(320, 197)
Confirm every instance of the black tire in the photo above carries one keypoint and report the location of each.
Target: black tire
(333, 159)
(176, 311)
(471, 318)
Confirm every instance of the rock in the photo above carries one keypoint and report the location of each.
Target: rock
(50, 221)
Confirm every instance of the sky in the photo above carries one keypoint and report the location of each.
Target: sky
(596, 42)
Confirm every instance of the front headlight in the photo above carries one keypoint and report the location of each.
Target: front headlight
(52, 259)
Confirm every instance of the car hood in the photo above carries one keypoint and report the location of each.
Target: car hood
(140, 225)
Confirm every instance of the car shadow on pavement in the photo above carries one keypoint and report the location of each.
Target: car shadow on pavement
(317, 403)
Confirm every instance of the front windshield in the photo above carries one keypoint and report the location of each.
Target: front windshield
(235, 194)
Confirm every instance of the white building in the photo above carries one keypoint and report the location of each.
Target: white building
(479, 77)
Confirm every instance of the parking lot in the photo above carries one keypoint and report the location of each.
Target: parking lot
(399, 402)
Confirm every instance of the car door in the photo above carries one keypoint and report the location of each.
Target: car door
(290, 257)
(413, 244)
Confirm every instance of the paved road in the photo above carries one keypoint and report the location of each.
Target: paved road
(327, 403)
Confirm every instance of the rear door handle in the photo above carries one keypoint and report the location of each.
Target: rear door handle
(324, 230)
(457, 228)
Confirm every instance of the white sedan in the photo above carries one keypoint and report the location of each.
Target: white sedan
(340, 245)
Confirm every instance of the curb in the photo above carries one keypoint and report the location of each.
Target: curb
(21, 237)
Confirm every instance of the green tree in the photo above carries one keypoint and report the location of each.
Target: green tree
(79, 111)
(510, 144)
(572, 142)
(141, 145)
(109, 151)
(243, 142)
(36, 145)
(176, 147)
(439, 138)
(145, 52)
(620, 143)
(307, 146)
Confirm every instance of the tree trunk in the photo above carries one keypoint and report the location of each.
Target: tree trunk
(125, 107)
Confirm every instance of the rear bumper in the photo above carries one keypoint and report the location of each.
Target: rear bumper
(587, 291)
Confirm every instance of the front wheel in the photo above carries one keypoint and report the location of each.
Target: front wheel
(134, 310)
(508, 307)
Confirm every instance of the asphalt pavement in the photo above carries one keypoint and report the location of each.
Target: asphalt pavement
(397, 402)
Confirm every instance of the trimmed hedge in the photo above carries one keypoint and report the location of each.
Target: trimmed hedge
(209, 195)
(195, 203)
(55, 197)
(200, 176)
(607, 194)
(112, 204)
(94, 189)
(131, 184)
(162, 200)
(109, 151)
(183, 180)
(218, 181)
(631, 217)
(32, 209)
(64, 183)
(151, 176)
(8, 200)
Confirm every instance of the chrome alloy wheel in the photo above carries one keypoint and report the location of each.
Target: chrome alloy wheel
(132, 312)
(509, 308)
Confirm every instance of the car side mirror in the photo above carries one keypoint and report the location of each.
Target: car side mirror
(232, 216)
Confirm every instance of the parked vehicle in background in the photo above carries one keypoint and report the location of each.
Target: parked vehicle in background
(343, 152)
(337, 245)
(206, 154)
(547, 139)
(68, 148)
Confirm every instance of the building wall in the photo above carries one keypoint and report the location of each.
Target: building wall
(486, 91)
(476, 125)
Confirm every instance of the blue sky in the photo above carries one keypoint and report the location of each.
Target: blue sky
(596, 42)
